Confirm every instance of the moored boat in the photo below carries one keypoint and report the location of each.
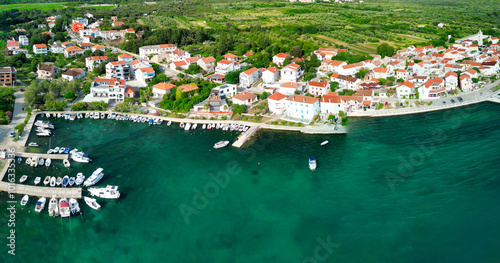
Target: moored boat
(324, 143)
(33, 144)
(312, 164)
(48, 162)
(37, 180)
(19, 159)
(23, 178)
(59, 181)
(188, 125)
(53, 181)
(94, 178)
(28, 161)
(182, 125)
(53, 207)
(74, 206)
(64, 210)
(41, 161)
(65, 181)
(92, 203)
(169, 123)
(79, 178)
(204, 126)
(80, 157)
(46, 180)
(40, 204)
(61, 150)
(66, 163)
(110, 192)
(24, 200)
(221, 144)
(71, 181)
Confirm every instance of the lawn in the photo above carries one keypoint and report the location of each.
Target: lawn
(41, 6)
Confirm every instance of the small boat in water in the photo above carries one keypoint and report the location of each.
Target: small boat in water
(204, 126)
(66, 163)
(28, 161)
(40, 204)
(61, 150)
(56, 150)
(80, 157)
(221, 144)
(110, 192)
(74, 206)
(24, 200)
(324, 143)
(46, 181)
(312, 164)
(71, 181)
(41, 161)
(182, 125)
(92, 203)
(79, 178)
(37, 180)
(48, 162)
(59, 181)
(19, 159)
(23, 178)
(53, 181)
(66, 151)
(194, 126)
(33, 144)
(53, 207)
(64, 210)
(94, 178)
(187, 127)
(169, 123)
(65, 181)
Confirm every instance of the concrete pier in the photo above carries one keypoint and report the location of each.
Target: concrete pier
(243, 138)
(43, 155)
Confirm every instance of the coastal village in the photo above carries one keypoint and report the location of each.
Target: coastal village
(414, 76)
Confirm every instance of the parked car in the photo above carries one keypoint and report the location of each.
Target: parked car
(460, 99)
(12, 134)
(452, 101)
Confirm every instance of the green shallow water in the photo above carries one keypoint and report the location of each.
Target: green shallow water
(419, 188)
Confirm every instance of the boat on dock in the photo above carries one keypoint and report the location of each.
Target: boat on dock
(65, 181)
(92, 203)
(40, 204)
(312, 164)
(23, 178)
(48, 162)
(324, 143)
(66, 163)
(46, 181)
(53, 181)
(221, 144)
(79, 178)
(24, 200)
(37, 180)
(74, 206)
(59, 181)
(71, 181)
(53, 207)
(43, 134)
(66, 151)
(110, 192)
(56, 150)
(33, 144)
(64, 210)
(94, 178)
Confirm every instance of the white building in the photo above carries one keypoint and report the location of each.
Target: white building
(331, 104)
(91, 62)
(207, 64)
(118, 69)
(144, 74)
(145, 51)
(81, 20)
(161, 89)
(291, 73)
(244, 98)
(279, 58)
(270, 75)
(249, 76)
(224, 66)
(432, 89)
(40, 49)
(289, 88)
(301, 107)
(405, 90)
(226, 90)
(319, 88)
(108, 89)
(276, 103)
(451, 81)
(73, 74)
(24, 41)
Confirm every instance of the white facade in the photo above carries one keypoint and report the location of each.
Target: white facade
(224, 66)
(109, 89)
(226, 90)
(249, 77)
(276, 103)
(119, 70)
(24, 41)
(270, 75)
(301, 107)
(291, 73)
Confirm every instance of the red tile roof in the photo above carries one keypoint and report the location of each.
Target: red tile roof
(244, 96)
(277, 96)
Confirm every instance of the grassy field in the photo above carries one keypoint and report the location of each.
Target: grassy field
(361, 49)
(42, 6)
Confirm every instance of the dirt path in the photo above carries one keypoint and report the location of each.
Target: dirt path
(180, 24)
(360, 49)
(140, 21)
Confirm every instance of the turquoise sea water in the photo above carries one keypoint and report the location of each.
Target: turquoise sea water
(419, 188)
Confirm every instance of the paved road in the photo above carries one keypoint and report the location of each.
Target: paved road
(18, 117)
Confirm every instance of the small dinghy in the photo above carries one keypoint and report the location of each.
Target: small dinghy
(92, 203)
(59, 181)
(19, 159)
(73, 205)
(324, 143)
(65, 181)
(41, 161)
(33, 144)
(25, 200)
(23, 178)
(48, 162)
(37, 180)
(66, 163)
(71, 181)
(79, 179)
(221, 144)
(40, 204)
(169, 123)
(53, 181)
(46, 181)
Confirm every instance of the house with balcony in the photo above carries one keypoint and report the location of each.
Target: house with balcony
(91, 62)
(270, 75)
(432, 89)
(8, 76)
(249, 77)
(405, 89)
(244, 98)
(289, 88)
(207, 64)
(40, 49)
(73, 51)
(225, 91)
(276, 103)
(279, 58)
(118, 69)
(125, 57)
(225, 66)
(73, 74)
(161, 89)
(302, 108)
(144, 74)
(24, 41)
(111, 90)
(291, 73)
(47, 71)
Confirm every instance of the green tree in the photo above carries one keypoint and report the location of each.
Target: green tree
(296, 52)
(385, 50)
(239, 109)
(233, 77)
(361, 73)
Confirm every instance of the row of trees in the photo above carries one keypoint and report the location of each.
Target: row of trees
(40, 93)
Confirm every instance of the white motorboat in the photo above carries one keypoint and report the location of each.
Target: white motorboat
(324, 143)
(71, 181)
(53, 207)
(23, 178)
(64, 210)
(46, 181)
(110, 192)
(182, 125)
(48, 162)
(103, 115)
(56, 150)
(204, 126)
(53, 181)
(96, 116)
(312, 164)
(92, 203)
(187, 127)
(169, 123)
(43, 134)
(47, 115)
(194, 126)
(59, 181)
(28, 161)
(94, 178)
(34, 161)
(33, 144)
(160, 121)
(80, 157)
(66, 163)
(24, 200)
(87, 115)
(61, 150)
(37, 180)
(41, 161)
(74, 206)
(50, 151)
(221, 144)
(40, 204)
(79, 178)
